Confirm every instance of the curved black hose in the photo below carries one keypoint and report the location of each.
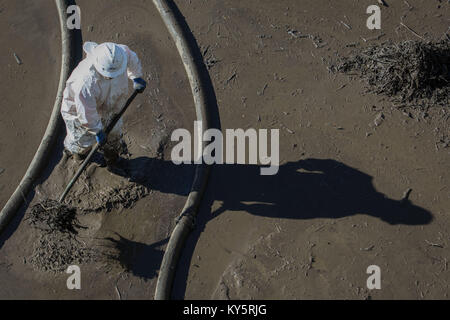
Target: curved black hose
(185, 221)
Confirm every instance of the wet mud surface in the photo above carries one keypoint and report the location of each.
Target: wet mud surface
(122, 220)
(362, 181)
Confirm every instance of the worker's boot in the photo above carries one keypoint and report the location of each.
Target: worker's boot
(66, 155)
(79, 157)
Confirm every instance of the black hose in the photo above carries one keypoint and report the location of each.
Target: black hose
(185, 221)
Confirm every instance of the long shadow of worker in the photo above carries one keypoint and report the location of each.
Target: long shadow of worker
(306, 189)
(158, 174)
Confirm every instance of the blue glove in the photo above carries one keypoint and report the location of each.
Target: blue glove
(100, 137)
(139, 85)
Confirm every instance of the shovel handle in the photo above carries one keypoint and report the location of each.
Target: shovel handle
(117, 116)
(86, 161)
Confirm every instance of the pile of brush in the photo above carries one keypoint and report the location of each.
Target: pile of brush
(58, 246)
(51, 216)
(412, 73)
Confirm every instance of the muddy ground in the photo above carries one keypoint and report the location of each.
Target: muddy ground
(138, 230)
(348, 157)
(334, 208)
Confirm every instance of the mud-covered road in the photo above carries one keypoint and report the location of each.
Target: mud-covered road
(347, 158)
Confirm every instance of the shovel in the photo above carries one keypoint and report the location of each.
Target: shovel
(86, 161)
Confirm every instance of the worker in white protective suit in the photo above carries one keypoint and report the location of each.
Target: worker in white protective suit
(96, 90)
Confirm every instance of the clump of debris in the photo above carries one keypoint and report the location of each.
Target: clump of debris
(412, 73)
(58, 245)
(51, 216)
(54, 252)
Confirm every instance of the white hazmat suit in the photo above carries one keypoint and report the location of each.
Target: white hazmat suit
(90, 99)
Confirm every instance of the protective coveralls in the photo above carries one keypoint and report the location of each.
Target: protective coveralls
(91, 99)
